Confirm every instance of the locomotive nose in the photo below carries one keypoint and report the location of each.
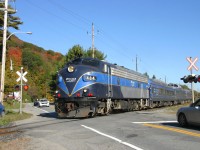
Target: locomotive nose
(71, 79)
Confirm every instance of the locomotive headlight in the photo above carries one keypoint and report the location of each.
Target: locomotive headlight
(70, 69)
(89, 78)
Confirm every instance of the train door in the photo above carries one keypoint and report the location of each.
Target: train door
(107, 70)
(141, 90)
(109, 82)
(150, 88)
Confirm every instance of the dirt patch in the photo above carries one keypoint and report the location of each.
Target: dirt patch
(15, 144)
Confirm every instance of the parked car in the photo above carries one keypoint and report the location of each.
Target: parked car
(41, 102)
(2, 110)
(189, 115)
(35, 103)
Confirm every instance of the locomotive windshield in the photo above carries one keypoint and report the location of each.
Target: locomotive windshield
(76, 61)
(85, 61)
(90, 62)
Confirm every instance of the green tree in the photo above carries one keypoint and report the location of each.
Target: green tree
(146, 74)
(13, 21)
(75, 52)
(154, 77)
(185, 87)
(97, 54)
(31, 60)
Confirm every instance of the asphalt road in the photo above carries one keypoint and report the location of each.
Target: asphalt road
(139, 130)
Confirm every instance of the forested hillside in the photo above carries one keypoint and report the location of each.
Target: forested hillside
(40, 64)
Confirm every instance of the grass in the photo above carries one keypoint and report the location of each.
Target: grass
(12, 113)
(12, 116)
(174, 109)
(11, 104)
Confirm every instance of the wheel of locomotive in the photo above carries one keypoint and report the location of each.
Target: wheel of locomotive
(92, 114)
(107, 112)
(135, 105)
(182, 120)
(60, 115)
(129, 106)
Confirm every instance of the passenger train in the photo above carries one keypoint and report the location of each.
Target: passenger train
(87, 87)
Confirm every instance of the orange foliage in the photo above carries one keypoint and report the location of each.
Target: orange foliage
(56, 56)
(15, 54)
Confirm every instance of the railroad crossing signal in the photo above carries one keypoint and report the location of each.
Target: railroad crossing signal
(21, 76)
(191, 78)
(192, 63)
(26, 87)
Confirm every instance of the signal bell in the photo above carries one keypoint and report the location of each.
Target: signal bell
(17, 87)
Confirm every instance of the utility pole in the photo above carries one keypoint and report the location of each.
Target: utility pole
(20, 108)
(92, 40)
(93, 34)
(136, 67)
(192, 85)
(4, 51)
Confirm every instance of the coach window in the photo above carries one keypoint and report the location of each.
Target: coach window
(162, 91)
(139, 85)
(153, 90)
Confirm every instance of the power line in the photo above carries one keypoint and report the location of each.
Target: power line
(118, 47)
(54, 14)
(79, 17)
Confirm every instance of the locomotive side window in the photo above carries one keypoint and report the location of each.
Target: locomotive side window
(105, 68)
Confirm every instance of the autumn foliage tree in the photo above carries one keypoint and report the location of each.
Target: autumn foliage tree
(13, 22)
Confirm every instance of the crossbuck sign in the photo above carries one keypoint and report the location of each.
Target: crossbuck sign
(192, 63)
(21, 76)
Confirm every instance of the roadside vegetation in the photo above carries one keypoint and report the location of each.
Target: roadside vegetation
(173, 109)
(170, 109)
(12, 114)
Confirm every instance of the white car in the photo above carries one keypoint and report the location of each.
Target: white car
(43, 102)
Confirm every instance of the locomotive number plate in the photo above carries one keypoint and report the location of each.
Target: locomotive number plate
(70, 79)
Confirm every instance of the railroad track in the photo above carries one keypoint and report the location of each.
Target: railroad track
(9, 133)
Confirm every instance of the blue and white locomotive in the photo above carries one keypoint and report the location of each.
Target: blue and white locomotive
(88, 86)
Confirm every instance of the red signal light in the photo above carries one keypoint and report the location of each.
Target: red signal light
(90, 94)
(78, 94)
(58, 95)
(198, 78)
(26, 87)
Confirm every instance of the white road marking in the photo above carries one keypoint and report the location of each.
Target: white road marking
(114, 138)
(155, 122)
(42, 109)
